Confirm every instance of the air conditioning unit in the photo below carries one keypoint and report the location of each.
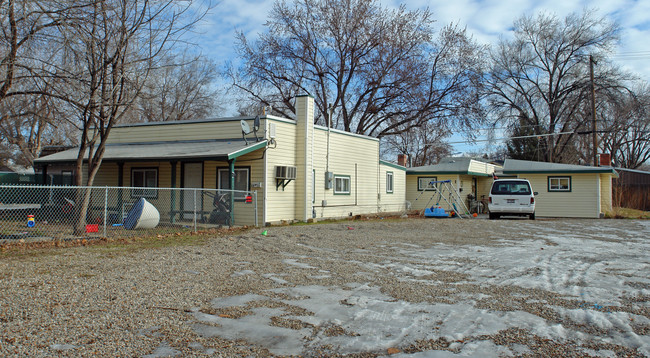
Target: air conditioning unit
(285, 172)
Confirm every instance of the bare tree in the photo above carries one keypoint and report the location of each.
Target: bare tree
(24, 27)
(184, 87)
(541, 77)
(108, 55)
(26, 112)
(424, 146)
(382, 71)
(625, 127)
(29, 123)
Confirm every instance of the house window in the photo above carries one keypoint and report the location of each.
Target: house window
(389, 182)
(242, 181)
(425, 183)
(66, 177)
(145, 178)
(559, 183)
(341, 185)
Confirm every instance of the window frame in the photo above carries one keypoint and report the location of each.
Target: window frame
(65, 175)
(430, 180)
(143, 193)
(391, 181)
(559, 184)
(349, 186)
(240, 197)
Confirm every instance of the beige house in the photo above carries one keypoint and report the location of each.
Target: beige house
(563, 190)
(298, 170)
(468, 177)
(566, 190)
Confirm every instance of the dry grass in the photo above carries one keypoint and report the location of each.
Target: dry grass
(20, 248)
(626, 213)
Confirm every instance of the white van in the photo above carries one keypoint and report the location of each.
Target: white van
(511, 197)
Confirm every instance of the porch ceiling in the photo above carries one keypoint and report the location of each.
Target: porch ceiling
(220, 150)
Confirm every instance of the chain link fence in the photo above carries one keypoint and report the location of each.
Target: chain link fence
(37, 213)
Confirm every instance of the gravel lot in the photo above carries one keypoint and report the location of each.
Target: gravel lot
(407, 288)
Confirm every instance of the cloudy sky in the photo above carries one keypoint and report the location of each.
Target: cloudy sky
(487, 20)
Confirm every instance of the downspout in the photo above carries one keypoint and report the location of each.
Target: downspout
(329, 125)
(231, 165)
(312, 213)
(265, 185)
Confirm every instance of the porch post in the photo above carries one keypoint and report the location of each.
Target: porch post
(231, 165)
(44, 173)
(120, 192)
(172, 200)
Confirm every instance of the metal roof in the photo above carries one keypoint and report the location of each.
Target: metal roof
(450, 165)
(455, 165)
(513, 166)
(221, 150)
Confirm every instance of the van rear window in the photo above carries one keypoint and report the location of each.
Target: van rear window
(510, 187)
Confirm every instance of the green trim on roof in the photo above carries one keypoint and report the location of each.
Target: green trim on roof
(247, 150)
(392, 165)
(449, 172)
(558, 171)
(432, 172)
(479, 174)
(304, 95)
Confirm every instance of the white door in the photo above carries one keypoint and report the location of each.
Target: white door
(191, 179)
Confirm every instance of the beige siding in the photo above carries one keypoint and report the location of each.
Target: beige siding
(280, 204)
(484, 186)
(581, 201)
(605, 193)
(421, 199)
(465, 188)
(350, 156)
(181, 131)
(395, 201)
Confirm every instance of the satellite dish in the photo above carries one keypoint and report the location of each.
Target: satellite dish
(256, 123)
(245, 129)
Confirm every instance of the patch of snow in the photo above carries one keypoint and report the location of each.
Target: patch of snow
(164, 350)
(294, 262)
(242, 273)
(62, 347)
(235, 301)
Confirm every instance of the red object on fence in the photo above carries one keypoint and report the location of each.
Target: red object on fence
(249, 199)
(92, 228)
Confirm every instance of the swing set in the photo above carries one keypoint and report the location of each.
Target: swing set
(443, 190)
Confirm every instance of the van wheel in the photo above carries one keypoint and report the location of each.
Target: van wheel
(532, 216)
(493, 216)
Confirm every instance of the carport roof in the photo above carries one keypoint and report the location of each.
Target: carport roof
(451, 165)
(514, 166)
(219, 150)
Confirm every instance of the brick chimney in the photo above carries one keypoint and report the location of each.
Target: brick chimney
(605, 160)
(402, 159)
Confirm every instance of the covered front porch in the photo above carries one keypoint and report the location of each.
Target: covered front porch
(147, 169)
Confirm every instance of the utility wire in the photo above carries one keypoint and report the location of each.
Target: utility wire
(526, 136)
(506, 138)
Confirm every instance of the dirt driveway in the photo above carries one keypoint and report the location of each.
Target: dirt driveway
(405, 288)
